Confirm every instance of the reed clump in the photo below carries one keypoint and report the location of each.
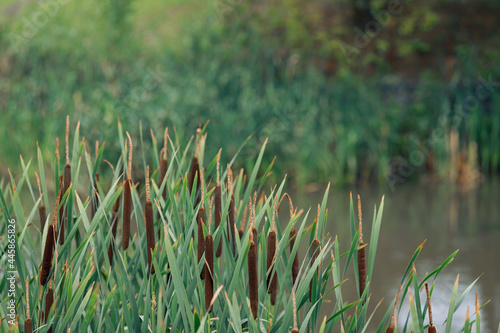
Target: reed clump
(138, 292)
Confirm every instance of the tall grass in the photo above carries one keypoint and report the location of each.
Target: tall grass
(92, 293)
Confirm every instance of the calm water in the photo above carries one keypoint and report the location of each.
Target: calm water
(448, 220)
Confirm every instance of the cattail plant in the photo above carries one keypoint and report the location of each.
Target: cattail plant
(293, 237)
(218, 205)
(195, 168)
(253, 278)
(201, 218)
(295, 327)
(127, 198)
(315, 249)
(50, 241)
(231, 225)
(272, 277)
(95, 200)
(114, 224)
(63, 210)
(390, 329)
(49, 301)
(163, 168)
(150, 227)
(209, 262)
(361, 253)
(41, 210)
(432, 328)
(28, 325)
(251, 208)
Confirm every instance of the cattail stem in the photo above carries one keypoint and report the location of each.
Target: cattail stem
(390, 329)
(295, 327)
(28, 324)
(150, 227)
(431, 328)
(253, 278)
(243, 223)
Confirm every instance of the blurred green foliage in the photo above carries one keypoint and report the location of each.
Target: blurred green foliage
(273, 69)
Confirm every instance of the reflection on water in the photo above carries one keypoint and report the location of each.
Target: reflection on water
(449, 220)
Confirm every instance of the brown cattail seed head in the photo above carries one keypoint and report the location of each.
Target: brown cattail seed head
(209, 267)
(253, 278)
(295, 264)
(150, 228)
(49, 301)
(201, 218)
(127, 211)
(272, 277)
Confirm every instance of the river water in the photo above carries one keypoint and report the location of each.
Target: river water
(448, 219)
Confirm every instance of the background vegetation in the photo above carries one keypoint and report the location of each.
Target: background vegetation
(337, 95)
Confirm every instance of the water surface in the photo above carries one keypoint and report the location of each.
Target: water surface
(448, 219)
